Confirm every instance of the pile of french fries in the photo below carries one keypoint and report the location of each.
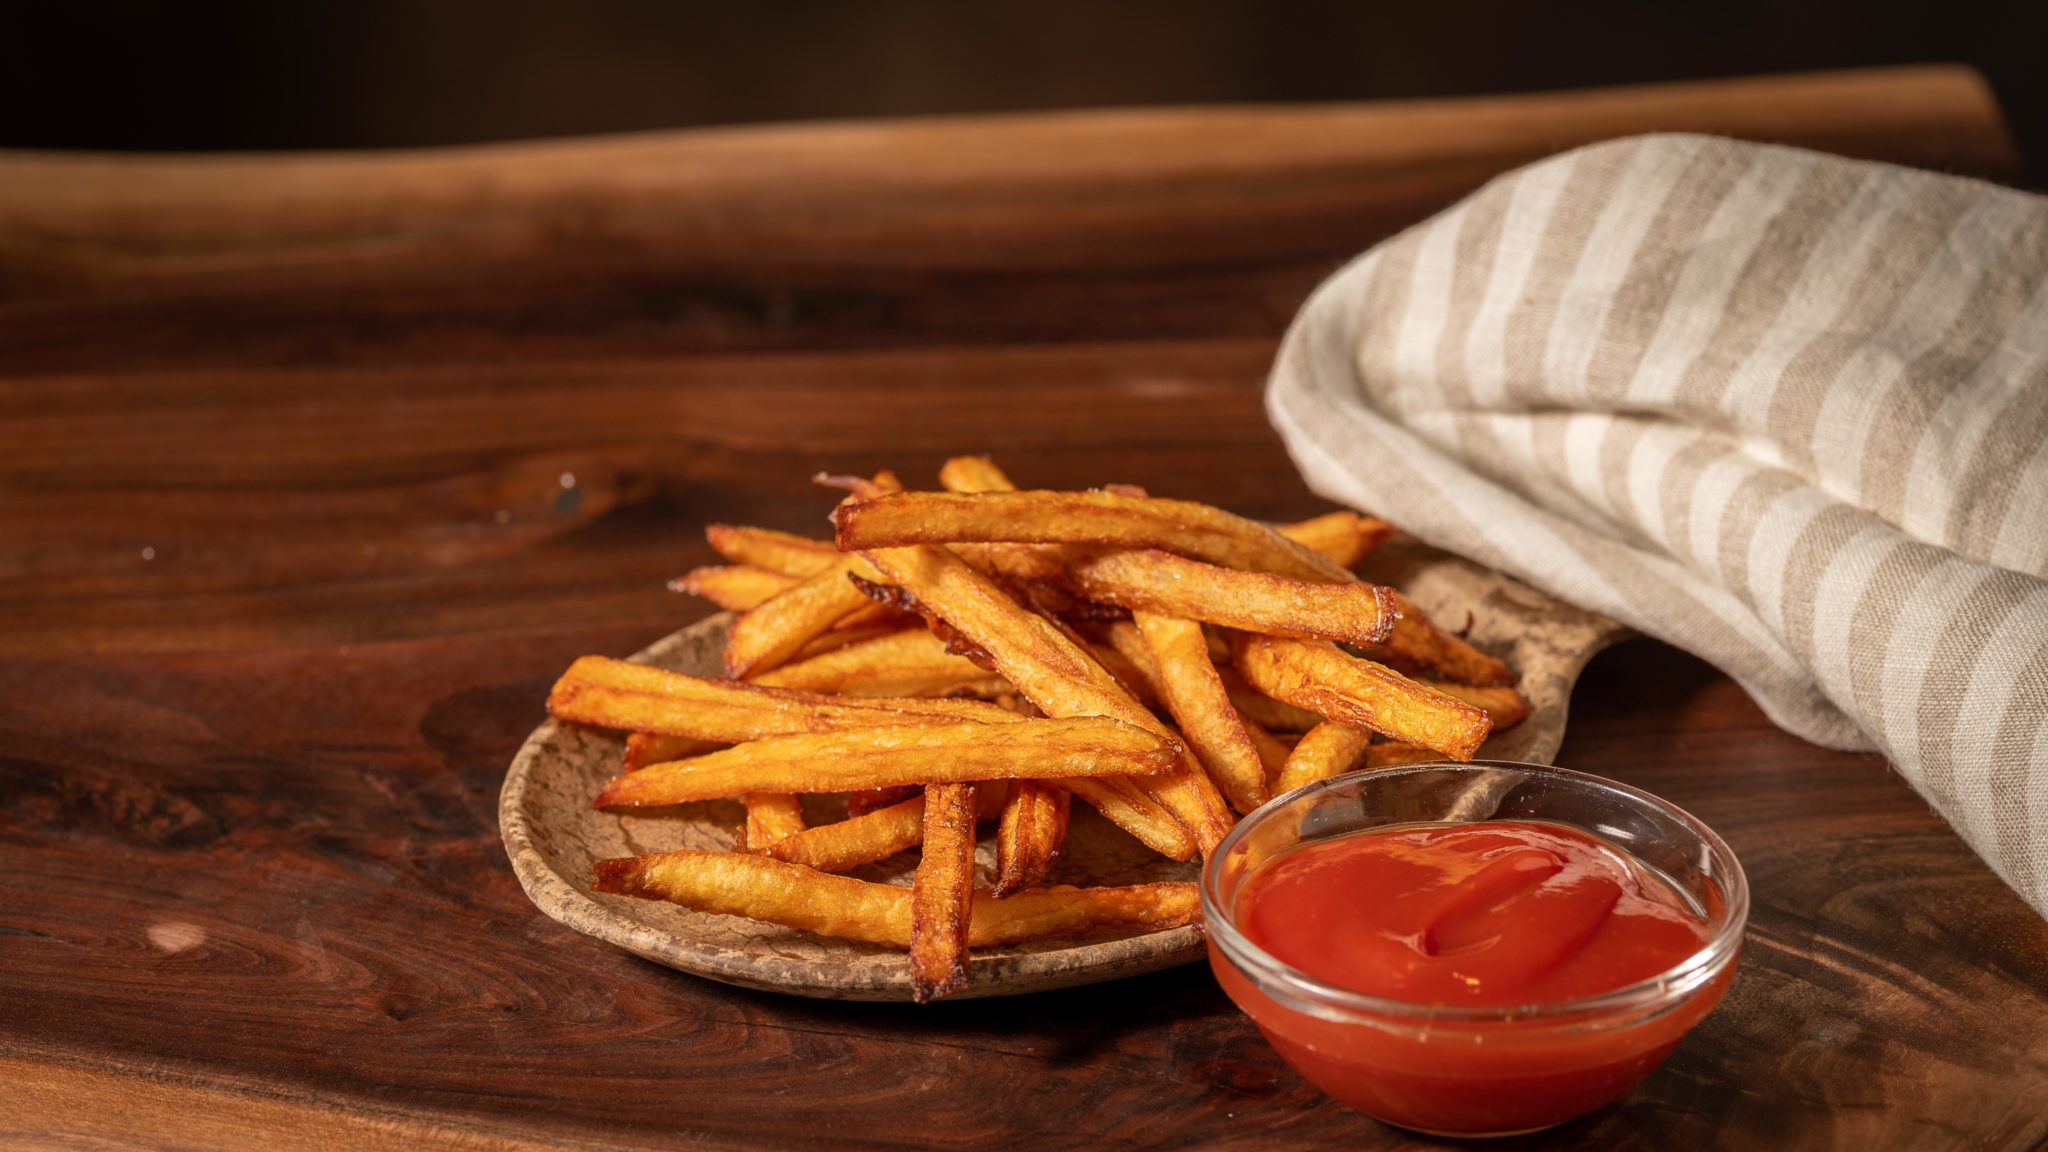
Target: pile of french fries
(988, 654)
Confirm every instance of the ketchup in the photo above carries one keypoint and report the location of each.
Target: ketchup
(1506, 914)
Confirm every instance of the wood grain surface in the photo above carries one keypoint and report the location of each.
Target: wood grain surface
(315, 471)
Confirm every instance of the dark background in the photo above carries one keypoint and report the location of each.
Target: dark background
(397, 73)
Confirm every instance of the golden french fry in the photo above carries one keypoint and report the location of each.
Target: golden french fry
(1416, 646)
(780, 626)
(1031, 836)
(869, 799)
(1194, 694)
(1505, 706)
(734, 588)
(942, 893)
(973, 474)
(771, 817)
(1329, 749)
(1052, 671)
(1261, 709)
(1345, 537)
(878, 757)
(1393, 754)
(1273, 753)
(1315, 675)
(641, 698)
(765, 548)
(737, 884)
(1150, 580)
(644, 748)
(1129, 662)
(875, 833)
(884, 483)
(1102, 518)
(907, 663)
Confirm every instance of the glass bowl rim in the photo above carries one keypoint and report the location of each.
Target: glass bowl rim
(1664, 988)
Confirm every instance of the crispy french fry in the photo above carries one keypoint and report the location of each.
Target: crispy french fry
(1053, 672)
(1317, 676)
(765, 548)
(856, 840)
(1415, 646)
(847, 632)
(737, 884)
(1345, 537)
(1130, 662)
(1261, 709)
(780, 626)
(907, 663)
(878, 757)
(1192, 691)
(1273, 753)
(735, 588)
(1031, 836)
(869, 799)
(771, 817)
(1393, 754)
(942, 893)
(1329, 749)
(1505, 706)
(973, 474)
(644, 748)
(1148, 580)
(883, 484)
(1101, 518)
(876, 833)
(641, 698)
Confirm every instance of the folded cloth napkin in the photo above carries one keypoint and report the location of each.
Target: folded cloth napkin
(1784, 410)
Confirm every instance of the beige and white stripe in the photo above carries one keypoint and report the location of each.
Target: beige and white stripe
(1784, 410)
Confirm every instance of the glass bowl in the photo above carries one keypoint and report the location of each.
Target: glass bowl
(1463, 1070)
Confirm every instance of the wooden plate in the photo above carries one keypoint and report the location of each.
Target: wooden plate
(554, 837)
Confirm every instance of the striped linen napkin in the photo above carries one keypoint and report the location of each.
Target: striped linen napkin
(1783, 410)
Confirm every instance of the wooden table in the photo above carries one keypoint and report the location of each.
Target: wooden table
(318, 469)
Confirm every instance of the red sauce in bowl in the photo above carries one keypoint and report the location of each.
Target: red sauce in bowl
(1475, 928)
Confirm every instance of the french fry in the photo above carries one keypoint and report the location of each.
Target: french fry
(1031, 836)
(869, 799)
(620, 694)
(1393, 754)
(973, 474)
(942, 893)
(737, 884)
(765, 548)
(1101, 518)
(877, 757)
(1261, 709)
(1345, 537)
(876, 833)
(780, 626)
(883, 484)
(906, 663)
(1161, 583)
(1505, 706)
(1052, 671)
(734, 588)
(1192, 691)
(1329, 749)
(1416, 646)
(1317, 676)
(873, 835)
(1273, 754)
(644, 748)
(850, 631)
(771, 817)
(1130, 662)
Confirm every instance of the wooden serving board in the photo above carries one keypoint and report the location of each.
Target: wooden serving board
(555, 838)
